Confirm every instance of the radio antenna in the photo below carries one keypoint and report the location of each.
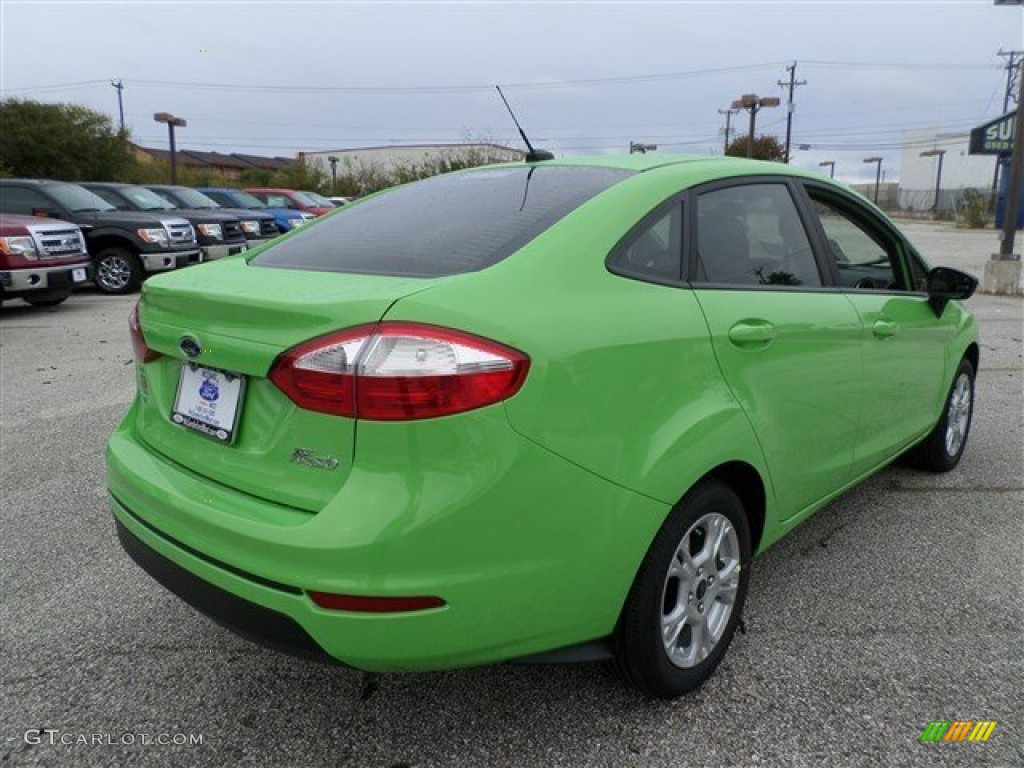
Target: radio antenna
(534, 155)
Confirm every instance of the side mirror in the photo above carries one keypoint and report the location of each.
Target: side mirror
(945, 284)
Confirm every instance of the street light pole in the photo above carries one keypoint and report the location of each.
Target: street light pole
(878, 173)
(172, 122)
(831, 167)
(334, 174)
(753, 104)
(939, 153)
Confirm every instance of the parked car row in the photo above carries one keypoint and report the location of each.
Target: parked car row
(123, 232)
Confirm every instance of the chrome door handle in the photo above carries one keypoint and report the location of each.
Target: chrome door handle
(883, 329)
(747, 333)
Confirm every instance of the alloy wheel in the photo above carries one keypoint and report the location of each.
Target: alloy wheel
(700, 590)
(958, 416)
(113, 273)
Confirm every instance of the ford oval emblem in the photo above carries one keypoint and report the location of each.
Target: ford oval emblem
(190, 347)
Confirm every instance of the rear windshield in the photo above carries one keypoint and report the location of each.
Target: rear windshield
(445, 225)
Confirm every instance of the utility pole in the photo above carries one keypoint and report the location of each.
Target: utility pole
(790, 106)
(1013, 66)
(728, 124)
(120, 102)
(1013, 193)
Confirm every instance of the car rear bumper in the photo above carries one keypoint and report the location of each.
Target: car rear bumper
(535, 558)
(56, 280)
(250, 620)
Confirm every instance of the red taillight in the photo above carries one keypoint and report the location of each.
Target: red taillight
(361, 604)
(399, 372)
(143, 354)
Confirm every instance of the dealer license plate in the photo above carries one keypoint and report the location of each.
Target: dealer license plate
(78, 275)
(208, 401)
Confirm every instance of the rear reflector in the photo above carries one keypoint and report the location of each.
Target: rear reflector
(399, 372)
(359, 604)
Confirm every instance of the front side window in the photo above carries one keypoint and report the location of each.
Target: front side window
(445, 225)
(751, 235)
(865, 260)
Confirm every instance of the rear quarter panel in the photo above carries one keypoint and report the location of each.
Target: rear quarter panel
(623, 380)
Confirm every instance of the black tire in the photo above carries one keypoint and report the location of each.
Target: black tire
(941, 450)
(640, 651)
(118, 271)
(48, 301)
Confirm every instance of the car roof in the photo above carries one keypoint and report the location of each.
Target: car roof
(40, 182)
(711, 166)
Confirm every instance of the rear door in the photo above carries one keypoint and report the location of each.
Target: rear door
(787, 343)
(904, 342)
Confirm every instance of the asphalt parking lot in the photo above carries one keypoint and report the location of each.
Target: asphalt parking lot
(897, 604)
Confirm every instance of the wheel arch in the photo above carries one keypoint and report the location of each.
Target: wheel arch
(747, 483)
(100, 242)
(973, 353)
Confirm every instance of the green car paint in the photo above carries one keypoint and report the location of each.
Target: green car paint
(531, 516)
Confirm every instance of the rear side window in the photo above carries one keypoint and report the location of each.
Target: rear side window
(445, 225)
(23, 201)
(653, 250)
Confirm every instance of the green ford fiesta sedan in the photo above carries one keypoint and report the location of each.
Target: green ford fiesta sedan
(545, 410)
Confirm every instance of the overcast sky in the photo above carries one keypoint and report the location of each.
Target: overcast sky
(277, 78)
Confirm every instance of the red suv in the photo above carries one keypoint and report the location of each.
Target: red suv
(41, 260)
(310, 202)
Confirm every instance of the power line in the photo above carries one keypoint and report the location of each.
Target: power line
(460, 88)
(57, 86)
(526, 85)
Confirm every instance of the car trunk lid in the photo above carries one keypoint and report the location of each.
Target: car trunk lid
(239, 319)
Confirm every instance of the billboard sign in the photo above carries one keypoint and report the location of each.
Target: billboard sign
(994, 137)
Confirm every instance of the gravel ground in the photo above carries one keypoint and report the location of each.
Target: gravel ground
(897, 604)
